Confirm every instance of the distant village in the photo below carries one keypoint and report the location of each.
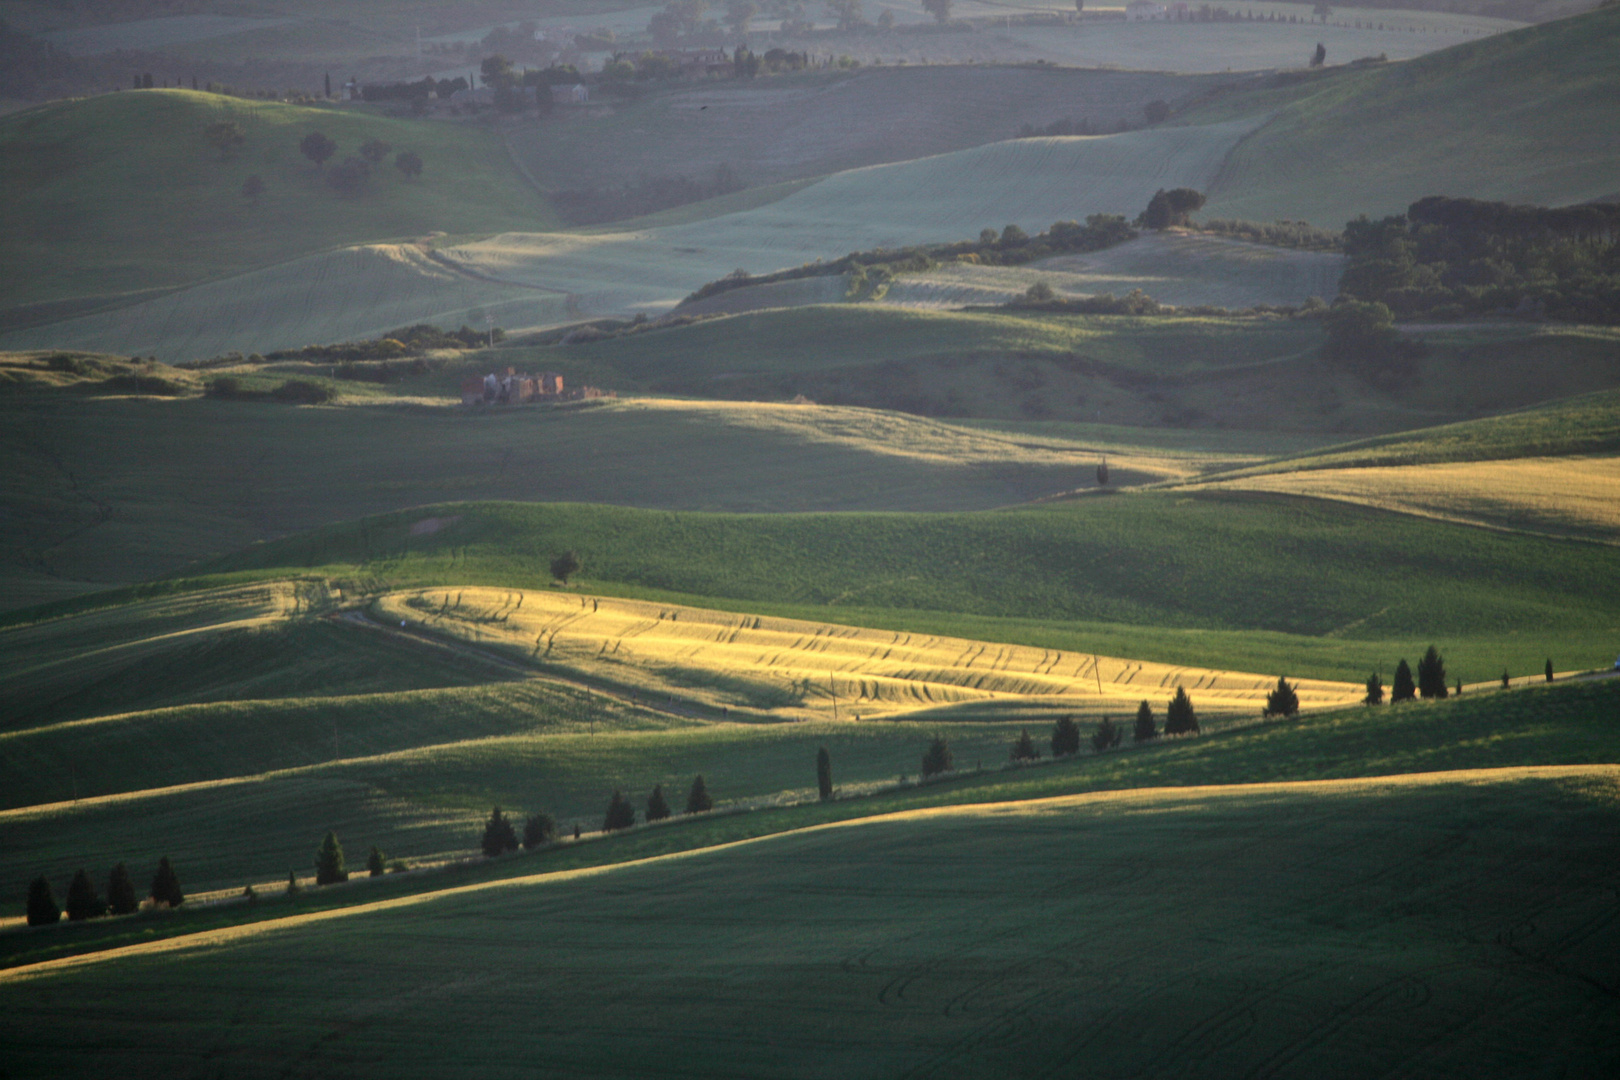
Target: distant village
(519, 387)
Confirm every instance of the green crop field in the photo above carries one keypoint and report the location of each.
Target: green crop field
(105, 193)
(1518, 117)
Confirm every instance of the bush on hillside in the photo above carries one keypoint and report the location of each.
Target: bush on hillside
(329, 868)
(937, 758)
(1146, 728)
(697, 799)
(1065, 737)
(499, 835)
(538, 830)
(1403, 688)
(166, 885)
(42, 909)
(657, 808)
(301, 392)
(565, 566)
(317, 147)
(1431, 674)
(1179, 717)
(121, 898)
(620, 814)
(1282, 701)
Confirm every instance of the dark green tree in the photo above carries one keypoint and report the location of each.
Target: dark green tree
(1106, 736)
(1147, 728)
(824, 785)
(937, 758)
(499, 835)
(1375, 690)
(620, 814)
(82, 901)
(1170, 208)
(1506, 683)
(42, 909)
(374, 150)
(1282, 701)
(409, 163)
(697, 799)
(121, 899)
(497, 72)
(1023, 748)
(541, 828)
(329, 869)
(166, 885)
(565, 566)
(1319, 57)
(1065, 737)
(1179, 717)
(657, 808)
(376, 862)
(1549, 669)
(1431, 674)
(317, 147)
(1403, 688)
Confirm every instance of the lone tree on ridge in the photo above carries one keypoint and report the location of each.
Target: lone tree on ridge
(42, 909)
(1282, 701)
(329, 868)
(1403, 688)
(1431, 674)
(565, 566)
(1146, 728)
(824, 785)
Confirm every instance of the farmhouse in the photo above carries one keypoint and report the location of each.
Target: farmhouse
(515, 387)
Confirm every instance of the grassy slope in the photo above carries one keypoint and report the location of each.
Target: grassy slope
(120, 192)
(1521, 117)
(1156, 561)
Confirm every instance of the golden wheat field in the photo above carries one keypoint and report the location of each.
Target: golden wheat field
(1573, 496)
(791, 669)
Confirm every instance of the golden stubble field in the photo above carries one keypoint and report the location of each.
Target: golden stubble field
(769, 668)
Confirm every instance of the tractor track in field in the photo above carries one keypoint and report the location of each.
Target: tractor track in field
(425, 637)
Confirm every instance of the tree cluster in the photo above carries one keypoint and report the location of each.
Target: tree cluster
(1168, 209)
(84, 902)
(1429, 683)
(1450, 258)
(352, 175)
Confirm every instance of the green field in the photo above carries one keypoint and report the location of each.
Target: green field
(109, 193)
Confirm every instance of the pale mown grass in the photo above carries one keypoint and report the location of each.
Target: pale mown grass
(785, 668)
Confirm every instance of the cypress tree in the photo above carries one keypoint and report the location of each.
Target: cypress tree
(1282, 701)
(697, 800)
(1179, 717)
(824, 774)
(1024, 748)
(166, 885)
(1549, 669)
(1505, 684)
(1375, 690)
(42, 909)
(937, 758)
(1402, 689)
(82, 901)
(1147, 729)
(1431, 674)
(1106, 735)
(329, 869)
(121, 898)
(620, 814)
(657, 808)
(1065, 737)
(499, 835)
(376, 862)
(539, 829)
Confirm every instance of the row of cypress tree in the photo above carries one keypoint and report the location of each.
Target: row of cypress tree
(1430, 682)
(83, 902)
(1180, 719)
(500, 835)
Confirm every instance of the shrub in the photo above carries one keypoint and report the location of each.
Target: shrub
(1065, 737)
(565, 566)
(42, 909)
(374, 150)
(620, 814)
(1106, 735)
(937, 758)
(329, 869)
(1168, 208)
(166, 885)
(1023, 748)
(1402, 689)
(499, 835)
(1282, 701)
(1147, 728)
(540, 829)
(1179, 717)
(697, 799)
(82, 901)
(376, 862)
(657, 808)
(824, 784)
(301, 392)
(1375, 690)
(317, 147)
(121, 899)
(1431, 674)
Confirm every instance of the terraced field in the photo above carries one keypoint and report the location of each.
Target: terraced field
(787, 668)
